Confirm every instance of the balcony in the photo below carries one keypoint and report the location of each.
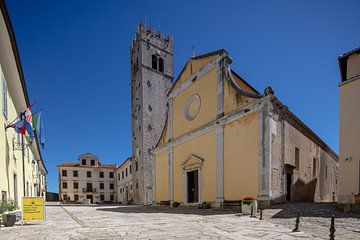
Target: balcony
(89, 190)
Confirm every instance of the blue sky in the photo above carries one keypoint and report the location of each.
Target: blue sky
(75, 56)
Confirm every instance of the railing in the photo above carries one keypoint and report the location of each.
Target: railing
(88, 190)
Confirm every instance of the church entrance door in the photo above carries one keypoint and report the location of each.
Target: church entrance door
(193, 186)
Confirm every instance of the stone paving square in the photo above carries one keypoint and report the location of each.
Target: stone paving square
(138, 222)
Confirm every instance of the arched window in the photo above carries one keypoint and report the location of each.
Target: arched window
(161, 65)
(154, 62)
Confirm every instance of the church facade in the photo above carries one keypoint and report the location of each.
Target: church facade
(224, 141)
(209, 136)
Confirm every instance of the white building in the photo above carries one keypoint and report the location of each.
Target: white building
(124, 183)
(86, 179)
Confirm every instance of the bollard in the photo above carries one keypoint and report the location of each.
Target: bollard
(296, 229)
(251, 211)
(260, 214)
(332, 228)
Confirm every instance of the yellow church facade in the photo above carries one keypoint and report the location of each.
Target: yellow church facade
(224, 141)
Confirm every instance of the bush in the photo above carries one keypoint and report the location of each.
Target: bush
(7, 206)
(205, 205)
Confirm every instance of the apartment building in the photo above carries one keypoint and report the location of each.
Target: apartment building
(124, 182)
(87, 180)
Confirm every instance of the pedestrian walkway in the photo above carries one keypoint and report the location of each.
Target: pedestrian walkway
(138, 222)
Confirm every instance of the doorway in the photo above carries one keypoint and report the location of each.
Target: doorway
(288, 186)
(193, 186)
(126, 194)
(90, 197)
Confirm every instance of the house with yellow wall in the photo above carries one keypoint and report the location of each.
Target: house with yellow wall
(22, 170)
(349, 163)
(223, 141)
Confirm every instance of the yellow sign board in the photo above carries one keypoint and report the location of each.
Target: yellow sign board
(33, 209)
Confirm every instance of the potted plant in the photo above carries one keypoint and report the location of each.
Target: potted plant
(247, 204)
(205, 205)
(7, 210)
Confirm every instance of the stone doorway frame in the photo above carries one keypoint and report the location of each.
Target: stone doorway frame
(193, 163)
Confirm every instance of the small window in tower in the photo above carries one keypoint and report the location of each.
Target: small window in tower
(161, 65)
(148, 83)
(149, 128)
(149, 108)
(154, 62)
(137, 64)
(139, 127)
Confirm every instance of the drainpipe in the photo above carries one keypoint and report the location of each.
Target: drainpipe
(23, 162)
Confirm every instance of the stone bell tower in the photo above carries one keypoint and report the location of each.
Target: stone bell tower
(151, 56)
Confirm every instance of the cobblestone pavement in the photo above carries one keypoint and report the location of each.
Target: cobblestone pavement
(137, 222)
(315, 219)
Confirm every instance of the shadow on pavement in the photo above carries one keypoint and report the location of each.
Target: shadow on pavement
(167, 210)
(324, 210)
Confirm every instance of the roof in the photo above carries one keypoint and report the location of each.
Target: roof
(18, 63)
(107, 165)
(76, 164)
(128, 159)
(216, 52)
(68, 164)
(347, 54)
(305, 129)
(342, 59)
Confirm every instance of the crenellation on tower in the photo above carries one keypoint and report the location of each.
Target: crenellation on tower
(151, 58)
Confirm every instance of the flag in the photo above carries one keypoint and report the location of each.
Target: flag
(29, 129)
(36, 118)
(23, 124)
(28, 114)
(19, 126)
(42, 135)
(39, 127)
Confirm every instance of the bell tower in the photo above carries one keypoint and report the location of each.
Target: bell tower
(151, 60)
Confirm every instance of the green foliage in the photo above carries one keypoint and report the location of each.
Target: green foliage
(247, 202)
(205, 205)
(7, 206)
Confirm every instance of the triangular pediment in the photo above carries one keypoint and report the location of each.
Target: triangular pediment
(193, 162)
(194, 64)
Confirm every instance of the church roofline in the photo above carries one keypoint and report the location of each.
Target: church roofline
(313, 136)
(219, 51)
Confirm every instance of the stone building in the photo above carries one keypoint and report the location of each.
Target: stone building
(124, 183)
(223, 141)
(151, 56)
(349, 163)
(86, 179)
(22, 169)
